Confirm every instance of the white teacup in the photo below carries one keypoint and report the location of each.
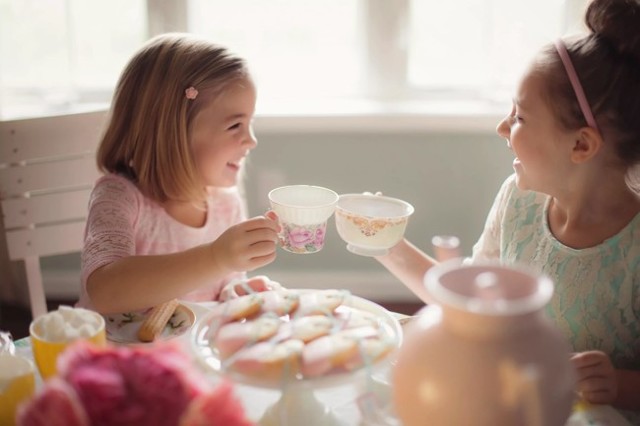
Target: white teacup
(371, 224)
(303, 211)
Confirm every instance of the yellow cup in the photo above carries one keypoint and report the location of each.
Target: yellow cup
(46, 351)
(17, 383)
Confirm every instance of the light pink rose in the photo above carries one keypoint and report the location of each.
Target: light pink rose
(299, 237)
(319, 237)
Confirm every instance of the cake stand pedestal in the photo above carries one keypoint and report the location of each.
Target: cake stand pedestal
(299, 406)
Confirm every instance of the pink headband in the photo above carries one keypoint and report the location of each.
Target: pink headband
(575, 83)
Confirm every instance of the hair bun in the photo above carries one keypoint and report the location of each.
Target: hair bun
(617, 21)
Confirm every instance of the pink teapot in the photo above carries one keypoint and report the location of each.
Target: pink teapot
(484, 353)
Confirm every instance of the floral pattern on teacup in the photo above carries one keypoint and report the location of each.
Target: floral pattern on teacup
(303, 238)
(370, 227)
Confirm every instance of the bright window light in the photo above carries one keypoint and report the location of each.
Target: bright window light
(478, 45)
(293, 47)
(58, 54)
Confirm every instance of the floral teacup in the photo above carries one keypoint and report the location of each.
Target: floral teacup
(371, 224)
(303, 211)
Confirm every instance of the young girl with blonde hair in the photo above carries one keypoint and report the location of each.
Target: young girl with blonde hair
(166, 220)
(570, 209)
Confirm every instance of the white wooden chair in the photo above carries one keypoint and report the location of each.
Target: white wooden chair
(47, 169)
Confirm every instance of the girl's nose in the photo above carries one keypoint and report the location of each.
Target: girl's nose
(251, 141)
(503, 129)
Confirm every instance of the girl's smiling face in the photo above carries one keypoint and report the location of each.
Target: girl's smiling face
(222, 134)
(541, 146)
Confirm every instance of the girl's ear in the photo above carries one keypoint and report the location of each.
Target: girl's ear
(587, 144)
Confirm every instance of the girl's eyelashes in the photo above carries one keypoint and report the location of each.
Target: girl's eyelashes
(240, 124)
(514, 117)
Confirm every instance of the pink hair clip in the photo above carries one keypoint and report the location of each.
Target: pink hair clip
(191, 92)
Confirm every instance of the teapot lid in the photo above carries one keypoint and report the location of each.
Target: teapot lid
(488, 288)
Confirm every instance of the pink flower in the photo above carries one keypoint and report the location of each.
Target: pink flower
(129, 385)
(151, 385)
(191, 93)
(220, 405)
(56, 405)
(319, 238)
(299, 237)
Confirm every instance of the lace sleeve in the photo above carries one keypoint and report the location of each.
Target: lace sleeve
(109, 233)
(488, 245)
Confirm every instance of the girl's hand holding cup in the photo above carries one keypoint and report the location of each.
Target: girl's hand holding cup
(247, 245)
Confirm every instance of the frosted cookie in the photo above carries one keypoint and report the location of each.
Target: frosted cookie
(368, 352)
(306, 328)
(348, 317)
(320, 302)
(234, 335)
(268, 359)
(322, 355)
(279, 302)
(238, 308)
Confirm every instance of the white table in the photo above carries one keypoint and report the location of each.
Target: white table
(366, 402)
(323, 407)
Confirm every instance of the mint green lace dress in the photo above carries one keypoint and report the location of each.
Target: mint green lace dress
(596, 302)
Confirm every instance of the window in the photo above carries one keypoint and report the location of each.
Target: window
(291, 45)
(59, 53)
(479, 46)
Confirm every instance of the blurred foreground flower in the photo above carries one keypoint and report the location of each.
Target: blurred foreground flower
(152, 385)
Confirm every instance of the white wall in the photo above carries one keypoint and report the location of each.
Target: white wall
(450, 178)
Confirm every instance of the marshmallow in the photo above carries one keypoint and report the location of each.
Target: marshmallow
(68, 323)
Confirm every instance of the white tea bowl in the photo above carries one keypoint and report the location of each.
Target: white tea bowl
(303, 211)
(371, 224)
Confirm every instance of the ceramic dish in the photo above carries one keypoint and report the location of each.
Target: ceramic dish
(123, 328)
(201, 345)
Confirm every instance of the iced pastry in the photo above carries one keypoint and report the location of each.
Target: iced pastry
(235, 335)
(268, 359)
(320, 302)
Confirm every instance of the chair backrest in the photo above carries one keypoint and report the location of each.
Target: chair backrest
(47, 169)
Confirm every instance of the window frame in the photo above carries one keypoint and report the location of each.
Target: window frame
(393, 105)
